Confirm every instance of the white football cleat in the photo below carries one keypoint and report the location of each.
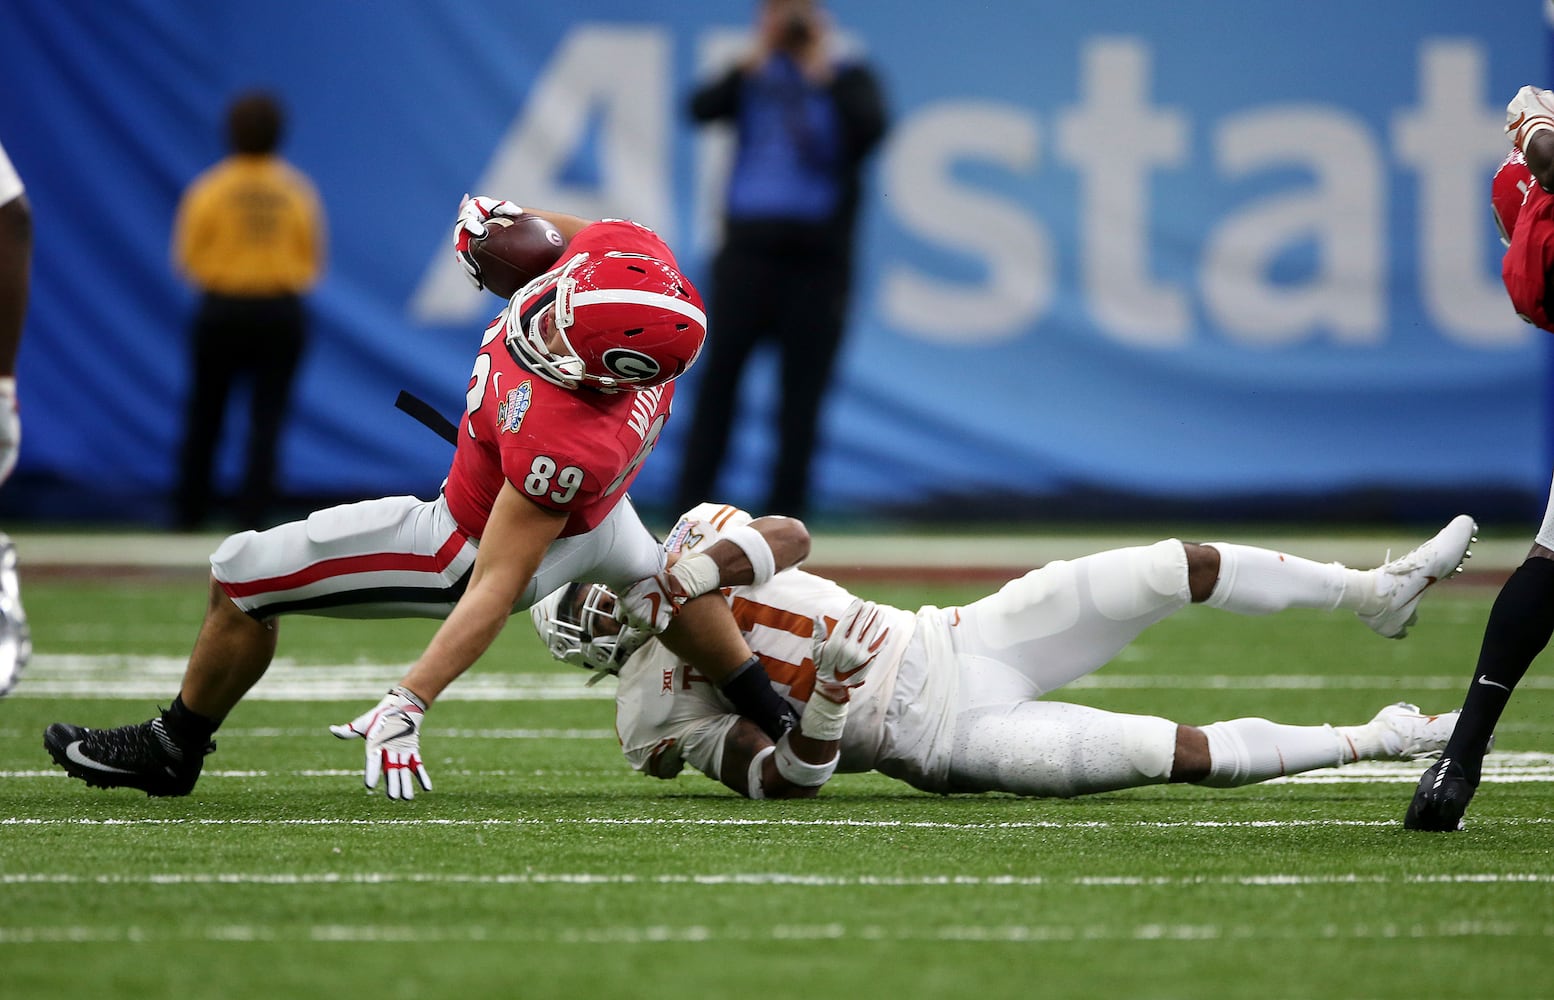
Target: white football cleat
(1405, 579)
(1405, 733)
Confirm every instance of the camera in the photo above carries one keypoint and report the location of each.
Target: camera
(798, 30)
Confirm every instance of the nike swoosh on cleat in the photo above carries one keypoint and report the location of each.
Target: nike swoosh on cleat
(73, 752)
(1429, 582)
(1486, 681)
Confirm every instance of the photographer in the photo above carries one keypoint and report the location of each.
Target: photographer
(806, 118)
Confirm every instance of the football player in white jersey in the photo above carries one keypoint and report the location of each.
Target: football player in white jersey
(955, 699)
(15, 277)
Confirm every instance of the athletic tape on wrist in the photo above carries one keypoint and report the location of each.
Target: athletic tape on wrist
(823, 719)
(697, 573)
(802, 772)
(408, 695)
(753, 783)
(1531, 127)
(753, 544)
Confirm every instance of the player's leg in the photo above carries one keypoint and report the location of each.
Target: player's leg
(1065, 620)
(15, 635)
(395, 557)
(813, 322)
(216, 358)
(1244, 751)
(740, 313)
(275, 360)
(1255, 581)
(1048, 748)
(1054, 749)
(1520, 624)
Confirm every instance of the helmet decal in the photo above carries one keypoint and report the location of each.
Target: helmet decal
(630, 365)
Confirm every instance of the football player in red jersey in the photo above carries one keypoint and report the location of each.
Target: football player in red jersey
(568, 395)
(1521, 620)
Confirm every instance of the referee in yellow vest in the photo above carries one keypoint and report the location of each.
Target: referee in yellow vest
(250, 236)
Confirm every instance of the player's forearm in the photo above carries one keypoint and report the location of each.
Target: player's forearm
(463, 638)
(567, 225)
(15, 273)
(1540, 157)
(746, 555)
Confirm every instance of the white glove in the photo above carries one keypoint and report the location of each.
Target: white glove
(10, 427)
(1531, 110)
(648, 604)
(844, 656)
(471, 226)
(392, 729)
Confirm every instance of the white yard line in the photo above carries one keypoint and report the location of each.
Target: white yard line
(763, 879)
(151, 677)
(653, 934)
(23, 821)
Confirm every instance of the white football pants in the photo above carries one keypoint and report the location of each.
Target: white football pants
(403, 557)
(1045, 630)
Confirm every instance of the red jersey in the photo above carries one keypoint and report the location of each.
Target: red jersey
(1529, 257)
(575, 451)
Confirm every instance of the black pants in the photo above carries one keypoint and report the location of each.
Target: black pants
(255, 339)
(787, 289)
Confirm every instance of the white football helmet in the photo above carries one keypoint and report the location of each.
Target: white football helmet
(626, 320)
(578, 626)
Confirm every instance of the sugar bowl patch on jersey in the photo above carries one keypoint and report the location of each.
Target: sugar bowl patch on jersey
(510, 411)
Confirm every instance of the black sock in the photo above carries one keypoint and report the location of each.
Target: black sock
(751, 691)
(188, 728)
(1519, 627)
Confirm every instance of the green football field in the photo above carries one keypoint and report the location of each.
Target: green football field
(542, 866)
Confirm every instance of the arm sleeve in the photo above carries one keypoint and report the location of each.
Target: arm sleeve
(718, 99)
(860, 105)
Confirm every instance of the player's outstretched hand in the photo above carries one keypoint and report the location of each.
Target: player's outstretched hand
(471, 226)
(392, 729)
(649, 604)
(844, 655)
(1531, 110)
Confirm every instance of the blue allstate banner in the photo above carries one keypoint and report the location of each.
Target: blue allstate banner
(1219, 249)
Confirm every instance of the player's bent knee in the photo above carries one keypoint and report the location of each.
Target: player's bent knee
(1131, 583)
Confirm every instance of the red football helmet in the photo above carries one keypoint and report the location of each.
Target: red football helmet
(626, 321)
(1512, 182)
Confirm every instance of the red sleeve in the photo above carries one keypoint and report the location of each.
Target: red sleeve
(1526, 265)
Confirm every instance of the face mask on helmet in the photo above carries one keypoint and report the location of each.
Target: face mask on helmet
(617, 321)
(578, 626)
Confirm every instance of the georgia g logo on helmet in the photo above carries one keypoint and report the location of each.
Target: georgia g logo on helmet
(631, 366)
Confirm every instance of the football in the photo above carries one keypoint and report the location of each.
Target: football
(515, 251)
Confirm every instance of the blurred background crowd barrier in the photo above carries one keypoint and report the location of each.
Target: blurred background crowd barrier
(1116, 260)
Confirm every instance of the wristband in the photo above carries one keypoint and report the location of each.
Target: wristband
(408, 695)
(696, 573)
(802, 772)
(1531, 127)
(753, 785)
(823, 719)
(763, 565)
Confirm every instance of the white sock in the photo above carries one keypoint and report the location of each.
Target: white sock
(1244, 751)
(1254, 581)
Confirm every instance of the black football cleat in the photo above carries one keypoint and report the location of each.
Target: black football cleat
(1440, 800)
(140, 756)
